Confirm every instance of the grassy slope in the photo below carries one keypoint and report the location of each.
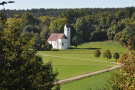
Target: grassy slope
(98, 82)
(73, 62)
(72, 65)
(111, 45)
(78, 61)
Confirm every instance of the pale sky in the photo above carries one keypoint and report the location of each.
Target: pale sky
(28, 4)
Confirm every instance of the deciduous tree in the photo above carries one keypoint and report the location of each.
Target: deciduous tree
(107, 54)
(116, 55)
(97, 53)
(20, 67)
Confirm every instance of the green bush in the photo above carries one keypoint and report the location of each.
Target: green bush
(116, 55)
(97, 53)
(107, 54)
(49, 47)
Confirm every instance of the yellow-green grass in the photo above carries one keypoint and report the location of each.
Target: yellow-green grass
(98, 82)
(73, 62)
(105, 45)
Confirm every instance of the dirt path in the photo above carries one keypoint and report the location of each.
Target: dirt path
(88, 75)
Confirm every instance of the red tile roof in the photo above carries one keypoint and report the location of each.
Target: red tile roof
(56, 36)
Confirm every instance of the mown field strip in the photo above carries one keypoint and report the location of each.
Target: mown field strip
(88, 74)
(78, 59)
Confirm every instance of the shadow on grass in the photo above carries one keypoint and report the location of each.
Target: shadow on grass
(86, 48)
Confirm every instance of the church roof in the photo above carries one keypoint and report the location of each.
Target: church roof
(56, 36)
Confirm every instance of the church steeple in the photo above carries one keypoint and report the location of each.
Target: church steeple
(67, 31)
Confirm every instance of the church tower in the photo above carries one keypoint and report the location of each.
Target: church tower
(67, 32)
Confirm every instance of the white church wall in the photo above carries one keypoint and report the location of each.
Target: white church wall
(54, 44)
(50, 42)
(59, 44)
(63, 44)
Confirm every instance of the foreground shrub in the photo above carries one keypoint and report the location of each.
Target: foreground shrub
(124, 79)
(20, 67)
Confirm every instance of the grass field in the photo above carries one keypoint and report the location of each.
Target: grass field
(73, 62)
(98, 82)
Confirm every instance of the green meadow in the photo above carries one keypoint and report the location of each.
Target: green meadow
(98, 82)
(81, 60)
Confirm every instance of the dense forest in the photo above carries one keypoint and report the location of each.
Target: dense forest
(86, 24)
(57, 12)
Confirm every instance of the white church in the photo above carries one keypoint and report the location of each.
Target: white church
(60, 40)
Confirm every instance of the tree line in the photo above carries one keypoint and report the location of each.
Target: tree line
(86, 24)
